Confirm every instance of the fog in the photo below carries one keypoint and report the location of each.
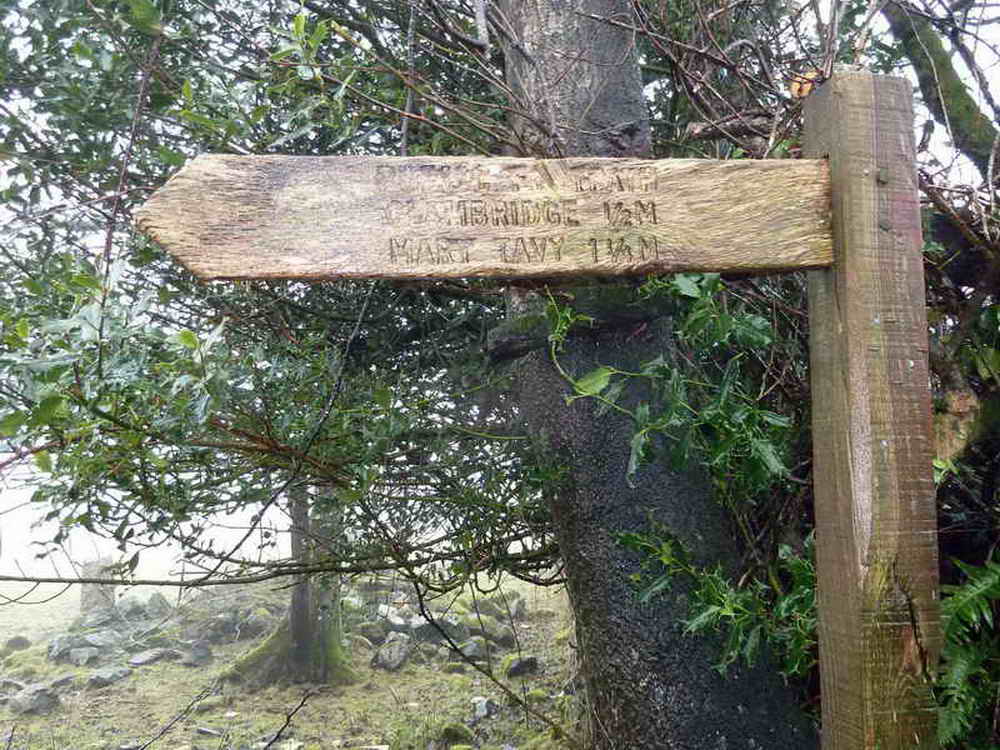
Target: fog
(24, 535)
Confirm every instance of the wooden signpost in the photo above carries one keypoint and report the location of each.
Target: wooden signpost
(385, 217)
(851, 211)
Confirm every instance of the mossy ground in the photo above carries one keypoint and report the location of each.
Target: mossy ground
(403, 710)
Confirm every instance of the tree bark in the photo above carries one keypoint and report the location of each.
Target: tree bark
(302, 611)
(648, 685)
(308, 645)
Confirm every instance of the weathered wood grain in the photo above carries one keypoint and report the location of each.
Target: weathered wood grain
(360, 217)
(876, 530)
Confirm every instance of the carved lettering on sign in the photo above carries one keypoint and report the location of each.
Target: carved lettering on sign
(637, 250)
(482, 213)
(413, 251)
(531, 250)
(623, 214)
(509, 200)
(617, 180)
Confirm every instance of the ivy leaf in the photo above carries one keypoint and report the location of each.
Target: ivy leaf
(187, 338)
(765, 451)
(594, 381)
(778, 420)
(638, 452)
(686, 285)
(611, 396)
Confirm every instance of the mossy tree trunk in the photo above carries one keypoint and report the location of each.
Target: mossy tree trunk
(944, 90)
(308, 645)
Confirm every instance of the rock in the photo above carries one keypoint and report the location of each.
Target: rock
(397, 636)
(83, 655)
(505, 637)
(373, 631)
(483, 708)
(107, 638)
(223, 627)
(256, 623)
(131, 607)
(9, 685)
(283, 745)
(17, 643)
(200, 653)
(490, 628)
(65, 681)
(489, 608)
(353, 640)
(34, 699)
(97, 617)
(513, 604)
(393, 618)
(392, 654)
(522, 665)
(157, 605)
(425, 630)
(148, 656)
(108, 675)
(61, 645)
(474, 649)
(352, 604)
(210, 704)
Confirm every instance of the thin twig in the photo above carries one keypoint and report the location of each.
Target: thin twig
(202, 695)
(116, 205)
(288, 719)
(411, 50)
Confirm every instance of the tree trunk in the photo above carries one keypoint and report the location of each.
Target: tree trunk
(648, 685)
(302, 614)
(308, 645)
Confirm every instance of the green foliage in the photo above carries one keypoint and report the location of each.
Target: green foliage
(705, 415)
(970, 676)
(747, 616)
(784, 619)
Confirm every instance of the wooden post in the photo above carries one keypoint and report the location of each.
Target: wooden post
(875, 510)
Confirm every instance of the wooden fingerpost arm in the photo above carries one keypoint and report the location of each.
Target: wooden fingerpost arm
(876, 530)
